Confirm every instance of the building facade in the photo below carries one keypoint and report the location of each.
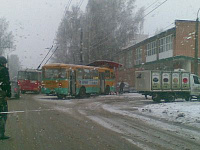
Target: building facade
(169, 50)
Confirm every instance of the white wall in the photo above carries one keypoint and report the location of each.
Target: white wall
(151, 58)
(166, 54)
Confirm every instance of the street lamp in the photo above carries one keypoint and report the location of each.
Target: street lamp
(196, 45)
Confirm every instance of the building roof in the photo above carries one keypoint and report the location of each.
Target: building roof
(105, 63)
(168, 59)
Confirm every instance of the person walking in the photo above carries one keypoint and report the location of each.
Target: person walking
(5, 92)
(121, 87)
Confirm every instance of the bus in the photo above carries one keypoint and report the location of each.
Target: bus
(78, 80)
(29, 80)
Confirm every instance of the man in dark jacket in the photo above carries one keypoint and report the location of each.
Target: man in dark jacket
(121, 87)
(5, 92)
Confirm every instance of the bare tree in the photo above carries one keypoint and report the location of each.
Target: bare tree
(112, 24)
(108, 25)
(68, 37)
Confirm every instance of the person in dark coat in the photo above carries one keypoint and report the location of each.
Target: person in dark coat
(121, 87)
(5, 92)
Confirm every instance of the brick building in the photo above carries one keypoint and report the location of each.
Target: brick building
(169, 50)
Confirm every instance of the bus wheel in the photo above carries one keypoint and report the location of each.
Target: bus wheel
(107, 90)
(82, 92)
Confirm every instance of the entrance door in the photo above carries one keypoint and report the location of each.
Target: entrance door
(102, 81)
(73, 82)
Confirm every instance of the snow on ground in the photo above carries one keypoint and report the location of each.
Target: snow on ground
(180, 111)
(183, 112)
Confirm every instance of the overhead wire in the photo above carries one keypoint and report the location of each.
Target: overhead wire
(155, 8)
(51, 55)
(45, 57)
(151, 5)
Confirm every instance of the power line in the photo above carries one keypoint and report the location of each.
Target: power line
(155, 8)
(151, 4)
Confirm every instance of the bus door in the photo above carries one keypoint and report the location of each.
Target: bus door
(102, 81)
(73, 82)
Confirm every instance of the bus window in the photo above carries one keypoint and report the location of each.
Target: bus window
(52, 73)
(21, 75)
(80, 73)
(94, 74)
(112, 75)
(25, 75)
(32, 75)
(87, 74)
(107, 74)
(63, 73)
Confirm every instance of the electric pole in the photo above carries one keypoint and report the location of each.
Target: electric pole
(81, 47)
(196, 46)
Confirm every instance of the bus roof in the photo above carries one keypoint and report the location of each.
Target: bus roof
(105, 63)
(61, 65)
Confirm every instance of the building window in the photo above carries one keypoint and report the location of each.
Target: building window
(151, 48)
(165, 44)
(138, 56)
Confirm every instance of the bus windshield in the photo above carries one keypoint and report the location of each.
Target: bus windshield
(24, 75)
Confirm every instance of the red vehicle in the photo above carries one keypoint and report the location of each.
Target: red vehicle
(29, 80)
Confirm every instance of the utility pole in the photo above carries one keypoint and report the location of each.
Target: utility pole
(196, 46)
(81, 47)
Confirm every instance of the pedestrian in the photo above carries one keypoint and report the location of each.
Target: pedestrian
(121, 87)
(5, 92)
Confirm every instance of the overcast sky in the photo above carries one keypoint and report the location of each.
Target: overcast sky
(34, 22)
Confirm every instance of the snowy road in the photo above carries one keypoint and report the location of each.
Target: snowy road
(141, 122)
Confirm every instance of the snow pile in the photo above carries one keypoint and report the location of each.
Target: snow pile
(182, 112)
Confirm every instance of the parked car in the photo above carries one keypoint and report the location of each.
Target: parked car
(132, 90)
(15, 90)
(126, 87)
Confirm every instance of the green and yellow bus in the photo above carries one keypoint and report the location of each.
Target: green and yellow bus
(78, 80)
